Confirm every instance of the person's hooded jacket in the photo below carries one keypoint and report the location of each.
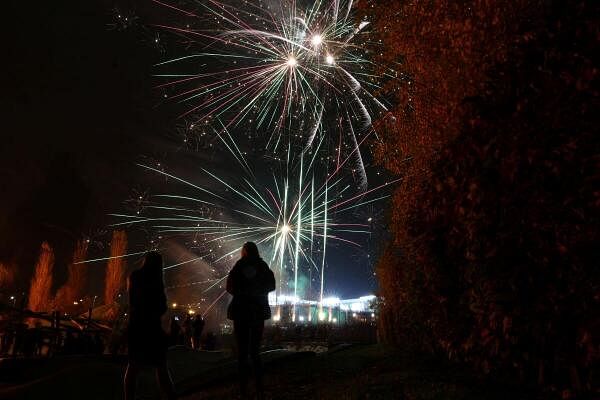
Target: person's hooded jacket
(250, 282)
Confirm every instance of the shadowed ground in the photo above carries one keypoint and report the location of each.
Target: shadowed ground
(354, 372)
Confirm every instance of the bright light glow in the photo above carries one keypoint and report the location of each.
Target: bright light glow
(331, 301)
(334, 320)
(321, 316)
(292, 62)
(255, 83)
(276, 317)
(174, 305)
(301, 318)
(316, 40)
(354, 315)
(191, 312)
(275, 300)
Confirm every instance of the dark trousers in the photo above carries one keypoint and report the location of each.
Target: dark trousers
(248, 336)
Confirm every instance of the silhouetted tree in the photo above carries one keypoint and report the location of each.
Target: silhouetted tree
(74, 287)
(493, 257)
(115, 270)
(40, 295)
(7, 276)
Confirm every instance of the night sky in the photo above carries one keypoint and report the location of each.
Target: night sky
(80, 111)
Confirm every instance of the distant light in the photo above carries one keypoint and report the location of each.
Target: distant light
(191, 312)
(285, 229)
(301, 318)
(370, 219)
(276, 317)
(316, 40)
(354, 315)
(329, 59)
(174, 305)
(334, 319)
(331, 301)
(12, 297)
(321, 316)
(292, 62)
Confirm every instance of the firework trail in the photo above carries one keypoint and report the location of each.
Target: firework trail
(297, 77)
(293, 215)
(295, 71)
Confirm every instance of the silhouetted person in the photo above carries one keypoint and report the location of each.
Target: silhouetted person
(69, 346)
(8, 339)
(197, 327)
(98, 344)
(147, 340)
(20, 339)
(174, 331)
(187, 331)
(250, 282)
(29, 342)
(210, 342)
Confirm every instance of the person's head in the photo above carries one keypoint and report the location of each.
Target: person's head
(153, 261)
(250, 250)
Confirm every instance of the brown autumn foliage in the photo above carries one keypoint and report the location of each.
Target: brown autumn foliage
(40, 295)
(441, 52)
(493, 258)
(115, 270)
(7, 276)
(74, 287)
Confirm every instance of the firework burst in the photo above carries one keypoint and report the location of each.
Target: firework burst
(293, 214)
(297, 72)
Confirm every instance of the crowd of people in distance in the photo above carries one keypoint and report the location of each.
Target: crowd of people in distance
(140, 334)
(326, 334)
(29, 339)
(188, 332)
(21, 340)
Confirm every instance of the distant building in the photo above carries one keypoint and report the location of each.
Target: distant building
(290, 309)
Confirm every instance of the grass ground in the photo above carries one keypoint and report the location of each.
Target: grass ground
(367, 372)
(356, 372)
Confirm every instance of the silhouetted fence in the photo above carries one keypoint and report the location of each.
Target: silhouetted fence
(24, 333)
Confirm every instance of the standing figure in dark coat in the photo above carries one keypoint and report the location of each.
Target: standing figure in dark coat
(250, 282)
(197, 327)
(146, 339)
(187, 331)
(175, 332)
